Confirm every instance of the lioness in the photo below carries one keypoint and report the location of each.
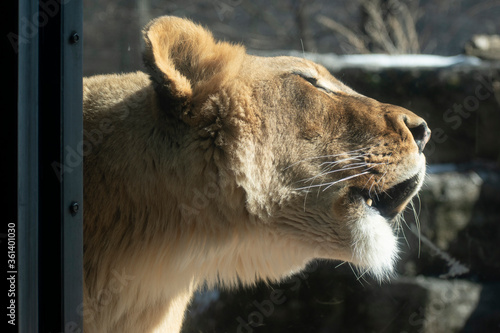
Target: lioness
(221, 167)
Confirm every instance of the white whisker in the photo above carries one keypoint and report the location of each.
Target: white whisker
(344, 179)
(331, 183)
(342, 263)
(342, 169)
(368, 181)
(401, 218)
(371, 167)
(417, 222)
(335, 163)
(361, 276)
(353, 271)
(326, 156)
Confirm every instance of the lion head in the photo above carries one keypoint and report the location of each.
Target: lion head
(217, 166)
(319, 165)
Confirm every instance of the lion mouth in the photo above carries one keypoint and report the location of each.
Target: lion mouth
(392, 201)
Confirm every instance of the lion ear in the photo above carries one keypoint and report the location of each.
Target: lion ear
(186, 65)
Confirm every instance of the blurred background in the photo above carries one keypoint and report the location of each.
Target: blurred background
(440, 59)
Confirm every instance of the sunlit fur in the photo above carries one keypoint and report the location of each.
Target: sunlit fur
(221, 168)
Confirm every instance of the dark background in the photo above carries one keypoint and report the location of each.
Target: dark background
(113, 28)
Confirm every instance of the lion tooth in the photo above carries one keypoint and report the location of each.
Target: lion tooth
(369, 201)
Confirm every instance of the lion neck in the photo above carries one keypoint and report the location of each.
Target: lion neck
(178, 218)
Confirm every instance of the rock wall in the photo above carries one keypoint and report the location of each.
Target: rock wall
(449, 273)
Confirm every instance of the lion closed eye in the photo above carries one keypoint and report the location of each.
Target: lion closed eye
(219, 166)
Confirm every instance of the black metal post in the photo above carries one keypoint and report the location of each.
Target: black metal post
(50, 166)
(28, 190)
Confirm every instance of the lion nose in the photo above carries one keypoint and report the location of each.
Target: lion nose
(420, 131)
(407, 123)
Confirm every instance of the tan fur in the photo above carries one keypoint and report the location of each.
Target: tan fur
(218, 166)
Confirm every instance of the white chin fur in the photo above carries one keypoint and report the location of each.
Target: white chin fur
(374, 246)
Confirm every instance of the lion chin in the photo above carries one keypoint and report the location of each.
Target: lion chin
(218, 167)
